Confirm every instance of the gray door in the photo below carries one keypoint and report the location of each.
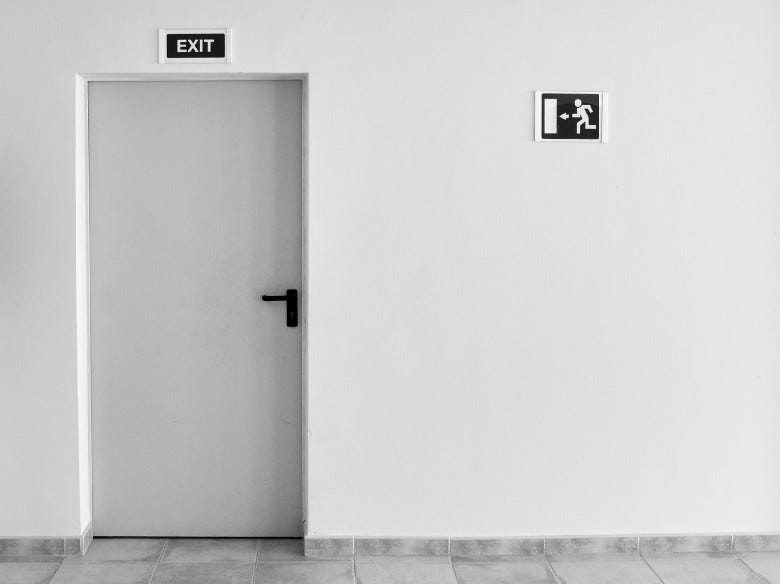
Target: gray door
(195, 212)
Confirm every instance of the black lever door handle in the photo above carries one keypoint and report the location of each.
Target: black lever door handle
(291, 298)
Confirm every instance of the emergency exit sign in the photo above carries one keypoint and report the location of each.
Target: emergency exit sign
(208, 45)
(571, 116)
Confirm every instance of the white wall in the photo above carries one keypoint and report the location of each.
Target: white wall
(505, 337)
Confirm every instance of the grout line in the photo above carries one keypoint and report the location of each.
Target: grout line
(761, 578)
(257, 556)
(354, 569)
(159, 559)
(59, 565)
(644, 559)
(452, 567)
(551, 569)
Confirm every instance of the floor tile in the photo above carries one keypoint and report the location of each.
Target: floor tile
(603, 569)
(322, 572)
(765, 563)
(395, 570)
(240, 551)
(119, 549)
(283, 550)
(103, 574)
(695, 568)
(26, 573)
(203, 574)
(518, 571)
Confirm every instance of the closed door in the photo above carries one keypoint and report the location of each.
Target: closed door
(195, 213)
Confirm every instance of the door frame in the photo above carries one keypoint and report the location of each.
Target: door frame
(83, 341)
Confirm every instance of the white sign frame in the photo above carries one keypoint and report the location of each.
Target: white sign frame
(163, 33)
(603, 117)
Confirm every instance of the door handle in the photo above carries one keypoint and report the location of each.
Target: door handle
(291, 298)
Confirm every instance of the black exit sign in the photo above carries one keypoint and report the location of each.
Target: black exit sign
(571, 116)
(195, 45)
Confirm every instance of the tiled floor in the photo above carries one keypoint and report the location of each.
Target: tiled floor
(281, 561)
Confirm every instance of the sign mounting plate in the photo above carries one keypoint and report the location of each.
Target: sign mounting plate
(571, 116)
(195, 45)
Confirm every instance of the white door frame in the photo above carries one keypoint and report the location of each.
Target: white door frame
(83, 345)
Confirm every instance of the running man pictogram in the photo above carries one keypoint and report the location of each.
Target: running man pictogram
(582, 113)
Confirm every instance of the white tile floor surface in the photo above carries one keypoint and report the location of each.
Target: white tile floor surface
(281, 561)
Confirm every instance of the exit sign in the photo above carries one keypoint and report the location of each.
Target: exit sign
(190, 45)
(571, 116)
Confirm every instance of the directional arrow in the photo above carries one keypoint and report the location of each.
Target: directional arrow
(564, 116)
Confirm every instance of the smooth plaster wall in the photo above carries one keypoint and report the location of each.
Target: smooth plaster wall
(505, 337)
